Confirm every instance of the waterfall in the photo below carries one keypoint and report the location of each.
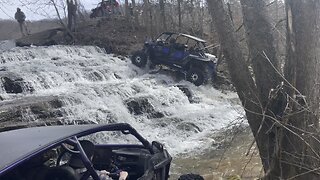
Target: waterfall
(83, 84)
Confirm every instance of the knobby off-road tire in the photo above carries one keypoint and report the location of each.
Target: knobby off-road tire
(196, 76)
(139, 59)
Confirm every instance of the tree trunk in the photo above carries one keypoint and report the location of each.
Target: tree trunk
(72, 10)
(147, 17)
(135, 13)
(230, 12)
(277, 33)
(61, 21)
(302, 70)
(179, 15)
(127, 10)
(200, 18)
(240, 74)
(162, 15)
(265, 64)
(192, 15)
(285, 128)
(261, 47)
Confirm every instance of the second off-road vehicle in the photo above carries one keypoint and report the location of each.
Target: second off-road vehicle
(181, 52)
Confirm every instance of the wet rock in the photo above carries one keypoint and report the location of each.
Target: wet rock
(117, 76)
(139, 106)
(31, 111)
(8, 116)
(155, 115)
(3, 69)
(44, 38)
(188, 93)
(11, 86)
(55, 58)
(164, 122)
(42, 112)
(122, 58)
(56, 103)
(16, 85)
(96, 76)
(188, 126)
(28, 87)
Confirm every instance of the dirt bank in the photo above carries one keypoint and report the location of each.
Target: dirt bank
(114, 34)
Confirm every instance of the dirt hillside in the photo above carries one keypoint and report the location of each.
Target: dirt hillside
(115, 35)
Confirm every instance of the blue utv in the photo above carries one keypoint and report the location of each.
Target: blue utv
(180, 52)
(61, 153)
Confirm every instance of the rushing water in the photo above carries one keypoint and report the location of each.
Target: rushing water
(96, 87)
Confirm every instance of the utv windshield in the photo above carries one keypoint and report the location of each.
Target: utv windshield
(192, 44)
(163, 37)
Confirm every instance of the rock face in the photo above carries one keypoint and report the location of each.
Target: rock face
(113, 35)
(139, 106)
(44, 38)
(15, 85)
(188, 126)
(12, 86)
(30, 111)
(188, 93)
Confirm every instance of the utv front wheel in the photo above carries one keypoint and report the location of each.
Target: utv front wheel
(139, 59)
(196, 76)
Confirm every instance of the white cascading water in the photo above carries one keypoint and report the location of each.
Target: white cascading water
(94, 86)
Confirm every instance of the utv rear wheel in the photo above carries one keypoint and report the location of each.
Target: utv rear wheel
(196, 76)
(139, 59)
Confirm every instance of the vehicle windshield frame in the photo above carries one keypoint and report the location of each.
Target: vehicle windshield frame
(166, 36)
(85, 130)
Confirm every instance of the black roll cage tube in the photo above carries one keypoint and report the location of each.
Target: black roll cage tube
(123, 127)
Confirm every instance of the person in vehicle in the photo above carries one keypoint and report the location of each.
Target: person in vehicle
(76, 163)
(21, 17)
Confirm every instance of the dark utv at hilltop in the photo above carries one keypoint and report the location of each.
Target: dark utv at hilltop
(181, 52)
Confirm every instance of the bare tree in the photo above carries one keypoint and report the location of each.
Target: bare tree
(284, 121)
(127, 10)
(179, 15)
(135, 13)
(147, 15)
(72, 10)
(162, 15)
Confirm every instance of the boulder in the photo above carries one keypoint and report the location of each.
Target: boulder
(139, 106)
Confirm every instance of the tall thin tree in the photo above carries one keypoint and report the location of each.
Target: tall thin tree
(163, 15)
(179, 15)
